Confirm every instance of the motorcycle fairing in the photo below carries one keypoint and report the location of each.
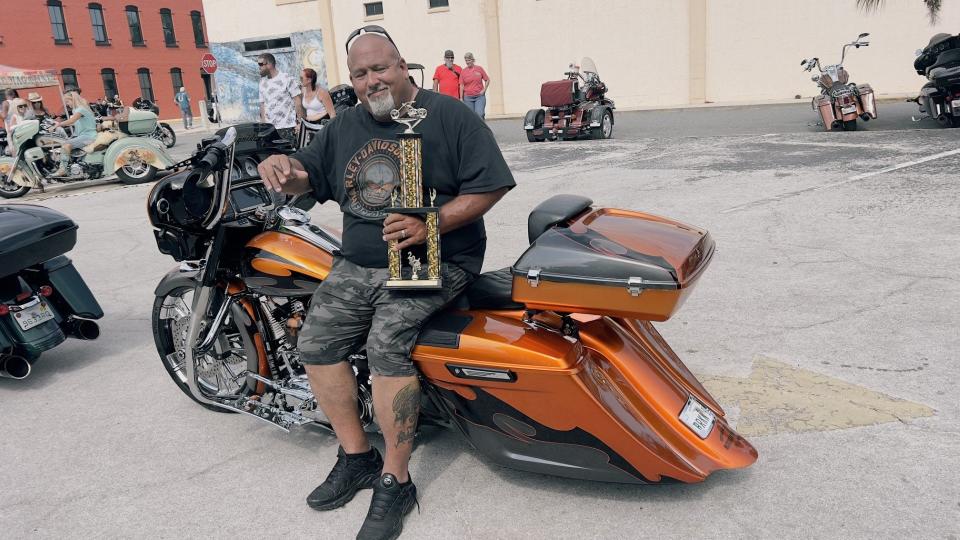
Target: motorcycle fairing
(282, 264)
(571, 403)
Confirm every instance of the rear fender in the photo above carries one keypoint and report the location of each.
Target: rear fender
(69, 284)
(149, 150)
(605, 407)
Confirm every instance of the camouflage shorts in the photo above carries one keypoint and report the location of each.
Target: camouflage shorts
(351, 311)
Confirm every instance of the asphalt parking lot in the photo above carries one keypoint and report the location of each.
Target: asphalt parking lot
(826, 327)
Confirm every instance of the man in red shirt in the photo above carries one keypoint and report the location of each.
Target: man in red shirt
(446, 78)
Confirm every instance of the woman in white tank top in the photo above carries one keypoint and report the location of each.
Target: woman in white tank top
(316, 100)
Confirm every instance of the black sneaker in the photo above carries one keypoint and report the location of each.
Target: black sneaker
(349, 474)
(390, 503)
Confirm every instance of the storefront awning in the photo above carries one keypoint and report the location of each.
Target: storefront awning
(17, 78)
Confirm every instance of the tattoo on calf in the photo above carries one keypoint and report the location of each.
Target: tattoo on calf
(406, 408)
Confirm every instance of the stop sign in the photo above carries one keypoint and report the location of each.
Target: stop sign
(208, 63)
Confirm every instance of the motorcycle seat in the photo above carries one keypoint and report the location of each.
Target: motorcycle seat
(492, 290)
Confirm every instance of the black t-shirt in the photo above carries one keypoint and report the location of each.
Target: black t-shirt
(355, 161)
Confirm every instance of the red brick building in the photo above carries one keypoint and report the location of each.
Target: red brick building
(131, 47)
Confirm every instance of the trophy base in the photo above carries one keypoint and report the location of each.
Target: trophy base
(418, 284)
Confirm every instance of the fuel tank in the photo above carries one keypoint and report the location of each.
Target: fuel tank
(289, 262)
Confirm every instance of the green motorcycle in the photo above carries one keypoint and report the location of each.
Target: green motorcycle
(127, 151)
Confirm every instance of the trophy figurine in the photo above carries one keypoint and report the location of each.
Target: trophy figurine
(408, 198)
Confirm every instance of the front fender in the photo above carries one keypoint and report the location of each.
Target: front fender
(150, 151)
(22, 174)
(175, 279)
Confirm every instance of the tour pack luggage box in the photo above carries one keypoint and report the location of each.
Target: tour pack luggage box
(31, 234)
(868, 99)
(613, 262)
(557, 93)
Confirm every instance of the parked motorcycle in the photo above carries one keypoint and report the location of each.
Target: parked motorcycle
(939, 62)
(570, 111)
(163, 133)
(128, 152)
(841, 102)
(551, 366)
(43, 299)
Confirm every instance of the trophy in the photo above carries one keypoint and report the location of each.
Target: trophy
(407, 198)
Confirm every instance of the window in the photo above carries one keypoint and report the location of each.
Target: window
(266, 44)
(99, 27)
(146, 86)
(57, 22)
(109, 82)
(176, 77)
(373, 9)
(166, 19)
(133, 21)
(69, 78)
(197, 21)
(439, 3)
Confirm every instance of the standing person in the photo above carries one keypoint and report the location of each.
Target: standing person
(84, 131)
(316, 101)
(446, 78)
(278, 98)
(473, 86)
(182, 99)
(355, 161)
(6, 109)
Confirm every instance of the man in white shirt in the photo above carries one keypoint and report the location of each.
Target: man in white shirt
(279, 98)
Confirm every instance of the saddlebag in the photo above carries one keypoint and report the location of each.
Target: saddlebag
(69, 284)
(868, 99)
(613, 262)
(824, 106)
(30, 235)
(139, 122)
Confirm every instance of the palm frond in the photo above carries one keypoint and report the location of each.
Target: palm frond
(933, 7)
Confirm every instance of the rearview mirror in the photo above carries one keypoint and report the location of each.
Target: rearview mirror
(863, 35)
(803, 63)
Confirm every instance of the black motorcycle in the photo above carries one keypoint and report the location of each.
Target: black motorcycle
(939, 62)
(43, 299)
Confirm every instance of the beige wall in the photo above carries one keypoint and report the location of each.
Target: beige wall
(232, 20)
(651, 53)
(754, 53)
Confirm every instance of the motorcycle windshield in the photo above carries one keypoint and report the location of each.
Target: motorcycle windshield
(587, 66)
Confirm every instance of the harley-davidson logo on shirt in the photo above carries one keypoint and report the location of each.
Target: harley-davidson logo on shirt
(370, 177)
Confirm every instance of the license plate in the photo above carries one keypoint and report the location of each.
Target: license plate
(33, 316)
(848, 110)
(698, 418)
(955, 104)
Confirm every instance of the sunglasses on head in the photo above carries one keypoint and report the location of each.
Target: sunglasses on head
(369, 29)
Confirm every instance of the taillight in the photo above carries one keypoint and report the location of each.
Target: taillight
(46, 291)
(4, 310)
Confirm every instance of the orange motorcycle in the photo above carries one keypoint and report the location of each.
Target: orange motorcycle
(841, 102)
(551, 365)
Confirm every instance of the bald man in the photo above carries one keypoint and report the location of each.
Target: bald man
(355, 161)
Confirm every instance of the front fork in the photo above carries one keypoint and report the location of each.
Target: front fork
(202, 296)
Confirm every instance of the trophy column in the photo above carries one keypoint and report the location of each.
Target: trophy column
(408, 199)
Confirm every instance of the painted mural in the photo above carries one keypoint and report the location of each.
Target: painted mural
(238, 79)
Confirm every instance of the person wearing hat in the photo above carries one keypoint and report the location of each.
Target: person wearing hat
(446, 78)
(474, 82)
(37, 110)
(19, 111)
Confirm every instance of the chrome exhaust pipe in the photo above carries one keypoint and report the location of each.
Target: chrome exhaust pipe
(82, 329)
(14, 367)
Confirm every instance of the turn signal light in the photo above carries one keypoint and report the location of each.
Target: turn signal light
(46, 291)
(4, 310)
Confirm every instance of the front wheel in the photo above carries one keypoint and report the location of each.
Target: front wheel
(222, 371)
(8, 188)
(605, 129)
(166, 135)
(850, 125)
